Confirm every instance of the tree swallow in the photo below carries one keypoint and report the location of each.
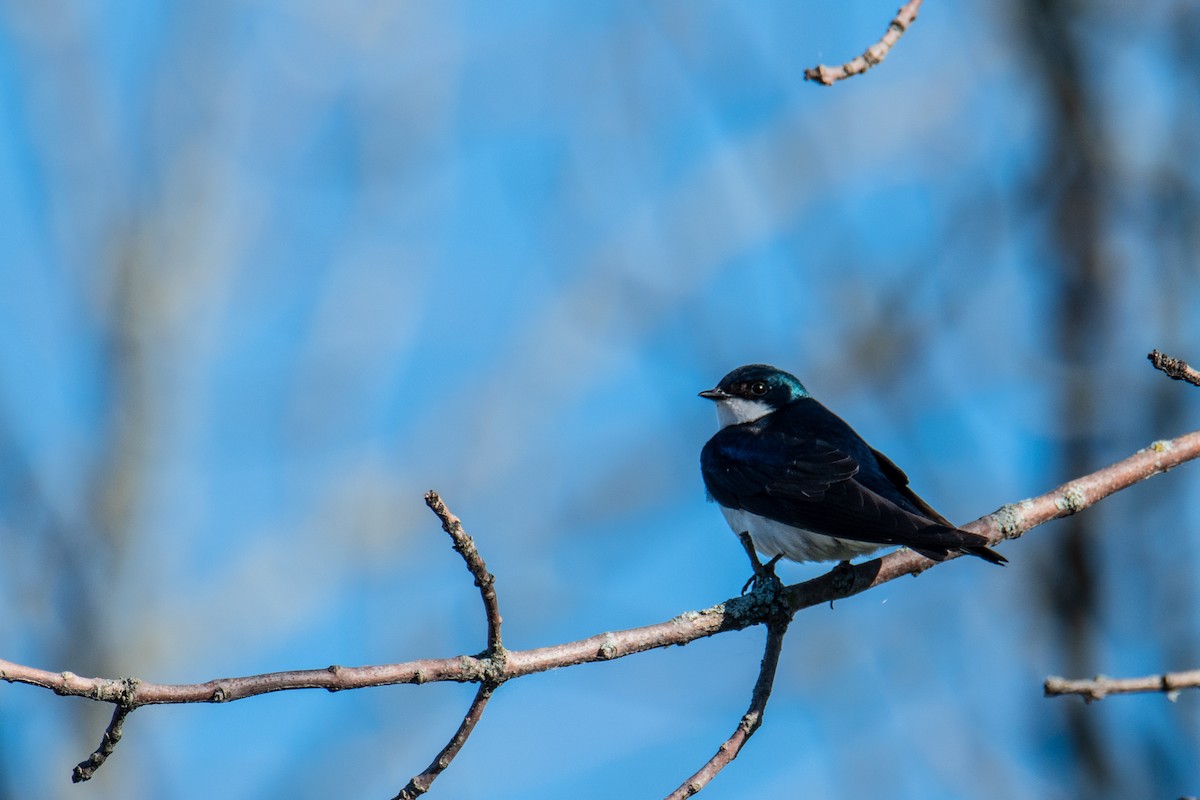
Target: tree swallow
(805, 486)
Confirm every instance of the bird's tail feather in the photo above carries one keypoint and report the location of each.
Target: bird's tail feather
(956, 540)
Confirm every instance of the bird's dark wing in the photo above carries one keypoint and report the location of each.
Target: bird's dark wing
(972, 543)
(900, 481)
(802, 481)
(811, 482)
(740, 465)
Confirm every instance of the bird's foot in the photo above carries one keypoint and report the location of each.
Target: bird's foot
(764, 574)
(842, 576)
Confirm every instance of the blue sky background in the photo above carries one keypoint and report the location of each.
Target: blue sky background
(268, 272)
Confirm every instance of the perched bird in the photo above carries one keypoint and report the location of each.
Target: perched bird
(805, 486)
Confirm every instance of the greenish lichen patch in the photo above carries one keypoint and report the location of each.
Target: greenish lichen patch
(1011, 519)
(608, 648)
(1072, 500)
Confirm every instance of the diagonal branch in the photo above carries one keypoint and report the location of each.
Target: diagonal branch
(1008, 522)
(750, 721)
(1101, 686)
(828, 76)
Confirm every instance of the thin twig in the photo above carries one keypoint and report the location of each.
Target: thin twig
(750, 721)
(85, 769)
(420, 784)
(464, 545)
(495, 656)
(1102, 686)
(1175, 368)
(877, 52)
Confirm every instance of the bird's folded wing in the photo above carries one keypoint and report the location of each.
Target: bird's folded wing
(900, 480)
(808, 483)
(736, 465)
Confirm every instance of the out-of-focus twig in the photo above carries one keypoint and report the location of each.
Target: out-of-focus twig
(1101, 686)
(828, 76)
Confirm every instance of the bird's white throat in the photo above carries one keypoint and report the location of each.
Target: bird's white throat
(738, 410)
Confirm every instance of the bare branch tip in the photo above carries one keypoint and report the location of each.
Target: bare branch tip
(1175, 368)
(85, 769)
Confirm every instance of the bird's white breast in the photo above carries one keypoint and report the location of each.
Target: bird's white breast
(737, 410)
(773, 538)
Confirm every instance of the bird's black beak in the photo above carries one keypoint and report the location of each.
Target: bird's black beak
(715, 394)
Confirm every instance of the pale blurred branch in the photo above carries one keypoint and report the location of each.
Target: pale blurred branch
(1101, 686)
(874, 54)
(768, 604)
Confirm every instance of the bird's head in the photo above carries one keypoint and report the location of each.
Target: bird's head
(753, 391)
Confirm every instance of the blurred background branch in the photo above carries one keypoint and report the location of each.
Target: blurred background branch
(873, 55)
(1100, 687)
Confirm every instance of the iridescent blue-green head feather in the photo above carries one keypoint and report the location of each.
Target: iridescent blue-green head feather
(753, 391)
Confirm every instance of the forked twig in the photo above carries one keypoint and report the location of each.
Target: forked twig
(494, 657)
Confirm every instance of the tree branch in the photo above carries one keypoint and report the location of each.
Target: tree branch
(750, 721)
(85, 769)
(1101, 686)
(1008, 522)
(464, 545)
(420, 784)
(828, 76)
(496, 666)
(1175, 368)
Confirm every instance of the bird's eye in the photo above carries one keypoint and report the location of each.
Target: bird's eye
(758, 388)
